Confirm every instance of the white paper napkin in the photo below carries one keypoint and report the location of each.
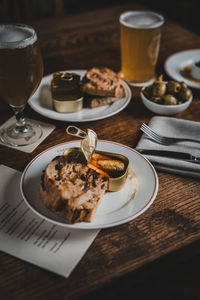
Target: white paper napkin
(46, 128)
(173, 127)
(29, 237)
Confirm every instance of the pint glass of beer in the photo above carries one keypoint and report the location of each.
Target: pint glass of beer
(140, 33)
(21, 70)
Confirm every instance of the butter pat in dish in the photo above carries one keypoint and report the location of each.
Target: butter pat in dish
(66, 94)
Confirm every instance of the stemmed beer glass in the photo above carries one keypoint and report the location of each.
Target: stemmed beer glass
(21, 70)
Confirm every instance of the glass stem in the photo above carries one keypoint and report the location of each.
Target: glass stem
(20, 120)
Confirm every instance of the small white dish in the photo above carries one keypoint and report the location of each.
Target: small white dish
(115, 208)
(176, 62)
(42, 103)
(195, 70)
(162, 109)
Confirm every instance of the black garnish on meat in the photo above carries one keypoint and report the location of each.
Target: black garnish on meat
(58, 167)
(83, 177)
(94, 183)
(95, 175)
(42, 181)
(51, 180)
(76, 215)
(76, 155)
(61, 205)
(86, 211)
(88, 172)
(78, 212)
(85, 185)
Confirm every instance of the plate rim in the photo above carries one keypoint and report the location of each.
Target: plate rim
(189, 83)
(90, 119)
(85, 225)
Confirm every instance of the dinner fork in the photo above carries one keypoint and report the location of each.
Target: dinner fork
(163, 140)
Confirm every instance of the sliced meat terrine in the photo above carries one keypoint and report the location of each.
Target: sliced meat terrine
(72, 189)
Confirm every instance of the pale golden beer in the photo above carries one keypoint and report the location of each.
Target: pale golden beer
(140, 33)
(21, 70)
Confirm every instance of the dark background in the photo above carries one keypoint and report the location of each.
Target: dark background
(183, 12)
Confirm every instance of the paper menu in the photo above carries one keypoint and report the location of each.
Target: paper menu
(25, 235)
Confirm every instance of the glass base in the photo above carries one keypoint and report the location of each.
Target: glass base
(137, 83)
(14, 136)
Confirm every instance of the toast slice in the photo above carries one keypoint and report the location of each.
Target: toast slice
(101, 82)
(96, 101)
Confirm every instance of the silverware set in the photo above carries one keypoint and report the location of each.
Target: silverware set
(163, 140)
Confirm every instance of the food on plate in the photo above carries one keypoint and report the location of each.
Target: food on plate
(71, 186)
(192, 72)
(111, 166)
(95, 101)
(101, 82)
(66, 94)
(71, 189)
(188, 74)
(101, 86)
(65, 86)
(167, 93)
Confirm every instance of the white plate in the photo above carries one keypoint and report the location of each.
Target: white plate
(177, 61)
(41, 102)
(115, 208)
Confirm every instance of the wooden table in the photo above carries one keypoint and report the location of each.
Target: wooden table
(132, 255)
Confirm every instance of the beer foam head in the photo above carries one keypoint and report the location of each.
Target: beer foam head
(16, 36)
(141, 19)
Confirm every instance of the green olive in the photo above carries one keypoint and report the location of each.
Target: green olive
(185, 94)
(183, 84)
(148, 92)
(158, 89)
(169, 99)
(173, 87)
(157, 100)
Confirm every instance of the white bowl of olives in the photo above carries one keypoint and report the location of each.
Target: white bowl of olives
(166, 97)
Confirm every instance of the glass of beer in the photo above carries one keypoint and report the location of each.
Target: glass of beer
(21, 70)
(140, 33)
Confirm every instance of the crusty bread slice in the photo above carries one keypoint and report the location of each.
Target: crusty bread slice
(101, 82)
(96, 101)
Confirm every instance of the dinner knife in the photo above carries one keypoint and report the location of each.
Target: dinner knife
(172, 154)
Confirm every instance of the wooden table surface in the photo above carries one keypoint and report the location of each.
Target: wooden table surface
(130, 251)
